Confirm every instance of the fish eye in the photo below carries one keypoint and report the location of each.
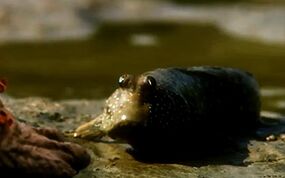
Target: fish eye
(150, 81)
(108, 110)
(124, 80)
(147, 85)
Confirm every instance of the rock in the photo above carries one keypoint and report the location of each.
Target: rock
(250, 158)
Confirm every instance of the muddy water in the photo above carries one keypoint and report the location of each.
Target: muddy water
(89, 68)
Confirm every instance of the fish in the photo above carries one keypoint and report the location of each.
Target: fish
(176, 109)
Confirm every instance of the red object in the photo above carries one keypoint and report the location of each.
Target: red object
(6, 119)
(36, 152)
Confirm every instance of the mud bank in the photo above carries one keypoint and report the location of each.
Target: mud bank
(250, 158)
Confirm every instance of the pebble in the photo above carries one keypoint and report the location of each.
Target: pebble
(271, 138)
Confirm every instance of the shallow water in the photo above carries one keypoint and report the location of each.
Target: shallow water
(90, 68)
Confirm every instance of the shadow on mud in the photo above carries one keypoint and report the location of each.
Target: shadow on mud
(231, 153)
(212, 152)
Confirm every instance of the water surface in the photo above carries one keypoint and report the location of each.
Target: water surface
(90, 68)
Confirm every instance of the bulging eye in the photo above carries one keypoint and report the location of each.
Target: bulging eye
(108, 110)
(147, 87)
(149, 81)
(125, 81)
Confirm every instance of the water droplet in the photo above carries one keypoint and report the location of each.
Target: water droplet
(124, 117)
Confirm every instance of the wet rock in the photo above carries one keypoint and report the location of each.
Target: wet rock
(250, 158)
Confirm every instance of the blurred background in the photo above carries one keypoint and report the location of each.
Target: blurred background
(65, 49)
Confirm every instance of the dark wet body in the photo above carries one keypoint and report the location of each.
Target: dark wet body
(180, 110)
(198, 105)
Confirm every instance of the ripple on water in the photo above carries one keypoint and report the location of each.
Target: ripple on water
(273, 99)
(272, 91)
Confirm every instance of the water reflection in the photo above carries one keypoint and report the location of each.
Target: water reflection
(143, 40)
(273, 92)
(273, 99)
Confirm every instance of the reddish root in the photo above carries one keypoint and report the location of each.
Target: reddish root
(6, 119)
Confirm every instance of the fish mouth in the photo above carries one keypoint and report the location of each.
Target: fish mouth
(89, 130)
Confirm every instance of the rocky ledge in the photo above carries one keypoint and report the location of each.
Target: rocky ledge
(251, 157)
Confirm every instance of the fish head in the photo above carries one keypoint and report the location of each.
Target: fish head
(125, 111)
